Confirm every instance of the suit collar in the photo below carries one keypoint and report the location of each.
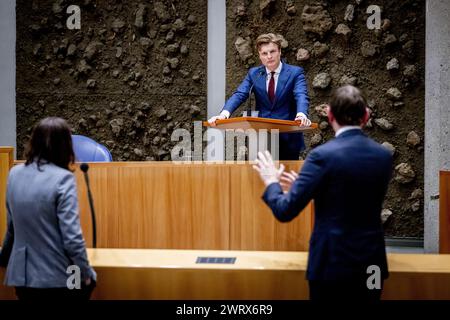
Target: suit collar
(260, 82)
(283, 78)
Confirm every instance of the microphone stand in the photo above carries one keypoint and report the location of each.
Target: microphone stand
(249, 105)
(85, 167)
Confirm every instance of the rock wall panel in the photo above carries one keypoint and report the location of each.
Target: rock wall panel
(332, 42)
(134, 72)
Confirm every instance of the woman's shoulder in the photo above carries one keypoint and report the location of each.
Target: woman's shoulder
(43, 168)
(16, 169)
(61, 175)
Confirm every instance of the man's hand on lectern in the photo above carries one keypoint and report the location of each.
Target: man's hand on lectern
(212, 120)
(287, 179)
(304, 121)
(266, 168)
(223, 115)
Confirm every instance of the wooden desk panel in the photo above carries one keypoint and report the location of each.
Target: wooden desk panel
(158, 206)
(254, 226)
(184, 206)
(444, 212)
(268, 275)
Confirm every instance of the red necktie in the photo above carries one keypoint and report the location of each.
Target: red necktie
(272, 87)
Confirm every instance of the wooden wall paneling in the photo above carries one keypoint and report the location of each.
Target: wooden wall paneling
(104, 183)
(108, 180)
(211, 206)
(253, 224)
(295, 235)
(153, 205)
(190, 209)
(160, 221)
(154, 217)
(417, 286)
(132, 207)
(185, 284)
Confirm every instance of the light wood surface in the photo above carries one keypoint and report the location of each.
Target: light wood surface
(173, 274)
(444, 212)
(269, 275)
(258, 123)
(185, 206)
(6, 162)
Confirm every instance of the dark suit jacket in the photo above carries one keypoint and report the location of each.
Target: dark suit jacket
(291, 97)
(347, 178)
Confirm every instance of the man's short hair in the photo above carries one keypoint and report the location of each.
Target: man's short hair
(268, 38)
(348, 105)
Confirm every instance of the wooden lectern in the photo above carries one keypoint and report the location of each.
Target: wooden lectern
(257, 124)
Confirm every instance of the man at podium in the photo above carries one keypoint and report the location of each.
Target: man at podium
(280, 92)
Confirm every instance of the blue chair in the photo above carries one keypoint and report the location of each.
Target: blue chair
(88, 150)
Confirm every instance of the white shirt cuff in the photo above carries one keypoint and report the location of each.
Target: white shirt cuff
(225, 113)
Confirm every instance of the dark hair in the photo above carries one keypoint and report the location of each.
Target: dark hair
(51, 141)
(348, 105)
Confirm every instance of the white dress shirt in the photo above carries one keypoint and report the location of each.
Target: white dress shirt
(275, 76)
(346, 128)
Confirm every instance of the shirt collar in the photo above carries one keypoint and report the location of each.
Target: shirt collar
(346, 128)
(277, 70)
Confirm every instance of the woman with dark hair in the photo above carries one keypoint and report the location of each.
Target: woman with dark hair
(44, 249)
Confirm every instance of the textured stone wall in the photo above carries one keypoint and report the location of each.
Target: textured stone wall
(134, 72)
(331, 41)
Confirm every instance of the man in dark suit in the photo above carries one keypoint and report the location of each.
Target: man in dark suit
(348, 178)
(280, 93)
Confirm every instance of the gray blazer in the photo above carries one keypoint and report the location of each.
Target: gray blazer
(44, 232)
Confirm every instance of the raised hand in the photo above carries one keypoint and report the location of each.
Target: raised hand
(266, 168)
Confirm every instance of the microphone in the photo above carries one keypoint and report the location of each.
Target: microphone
(85, 167)
(249, 105)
